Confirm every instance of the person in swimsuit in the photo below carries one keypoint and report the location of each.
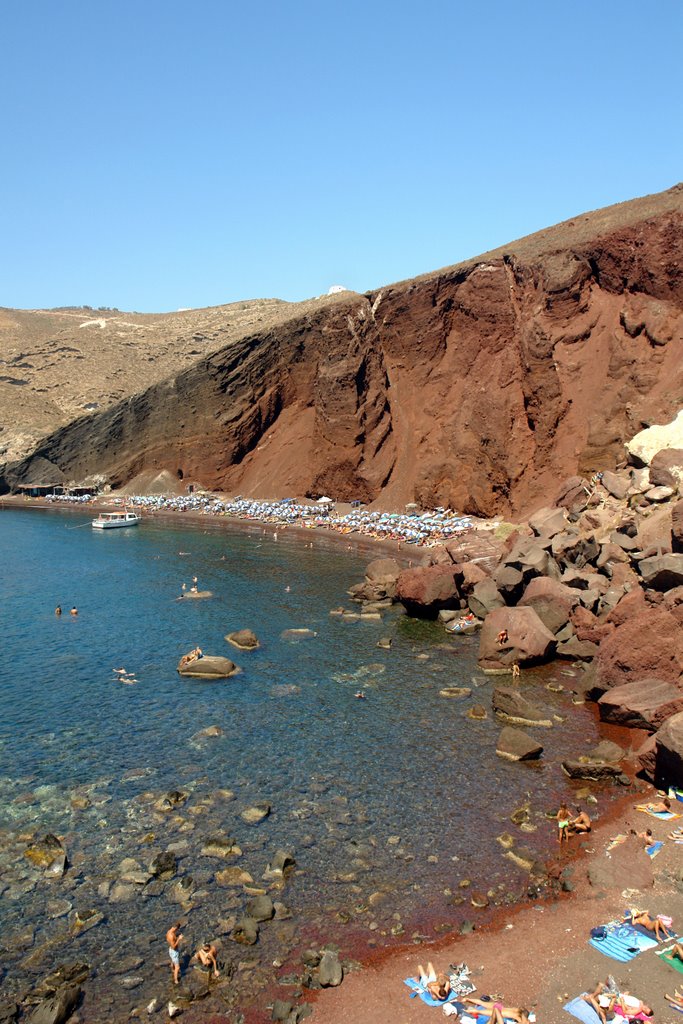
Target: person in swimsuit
(602, 999)
(438, 985)
(499, 1013)
(502, 637)
(74, 611)
(58, 610)
(174, 938)
(206, 954)
(656, 925)
(581, 823)
(631, 1007)
(563, 819)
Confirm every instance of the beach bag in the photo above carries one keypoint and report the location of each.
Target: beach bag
(599, 933)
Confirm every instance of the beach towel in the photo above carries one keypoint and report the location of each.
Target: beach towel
(418, 989)
(662, 815)
(672, 961)
(654, 849)
(622, 942)
(582, 1010)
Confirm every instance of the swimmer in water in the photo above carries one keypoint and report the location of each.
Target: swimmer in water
(359, 694)
(58, 610)
(287, 589)
(74, 611)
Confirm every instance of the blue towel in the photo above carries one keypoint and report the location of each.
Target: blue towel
(582, 1010)
(653, 850)
(623, 942)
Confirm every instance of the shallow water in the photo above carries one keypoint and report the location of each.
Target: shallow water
(387, 802)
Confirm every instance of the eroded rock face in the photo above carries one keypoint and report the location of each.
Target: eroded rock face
(648, 644)
(477, 387)
(426, 591)
(641, 704)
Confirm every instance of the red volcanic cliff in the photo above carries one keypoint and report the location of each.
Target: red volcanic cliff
(478, 386)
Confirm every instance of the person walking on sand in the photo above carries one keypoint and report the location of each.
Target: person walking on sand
(174, 938)
(206, 954)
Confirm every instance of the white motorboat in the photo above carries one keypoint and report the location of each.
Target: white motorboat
(115, 520)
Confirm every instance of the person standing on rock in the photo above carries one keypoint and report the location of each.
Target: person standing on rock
(174, 938)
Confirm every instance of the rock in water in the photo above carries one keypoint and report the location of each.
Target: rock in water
(330, 971)
(511, 706)
(246, 931)
(243, 639)
(164, 865)
(57, 1008)
(260, 908)
(256, 814)
(209, 667)
(516, 745)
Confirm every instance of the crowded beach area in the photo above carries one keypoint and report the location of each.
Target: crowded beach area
(420, 528)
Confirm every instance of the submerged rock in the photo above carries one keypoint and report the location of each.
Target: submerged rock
(57, 1009)
(256, 814)
(246, 931)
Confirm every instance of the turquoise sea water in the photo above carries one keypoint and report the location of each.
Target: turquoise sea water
(398, 795)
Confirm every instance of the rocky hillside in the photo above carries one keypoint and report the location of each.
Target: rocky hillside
(478, 386)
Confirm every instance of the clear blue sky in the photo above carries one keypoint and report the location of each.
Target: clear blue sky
(161, 154)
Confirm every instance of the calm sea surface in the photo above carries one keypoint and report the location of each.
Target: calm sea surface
(386, 803)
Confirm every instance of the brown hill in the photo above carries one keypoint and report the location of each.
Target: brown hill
(476, 386)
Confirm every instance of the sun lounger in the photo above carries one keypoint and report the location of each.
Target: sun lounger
(582, 1010)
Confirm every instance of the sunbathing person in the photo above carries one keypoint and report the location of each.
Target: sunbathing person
(655, 924)
(581, 823)
(499, 1013)
(677, 951)
(663, 807)
(631, 1007)
(602, 999)
(438, 985)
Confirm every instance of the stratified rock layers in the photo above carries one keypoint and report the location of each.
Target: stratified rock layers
(476, 387)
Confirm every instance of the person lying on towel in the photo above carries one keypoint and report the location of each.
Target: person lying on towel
(659, 925)
(438, 985)
(499, 1013)
(632, 1008)
(602, 999)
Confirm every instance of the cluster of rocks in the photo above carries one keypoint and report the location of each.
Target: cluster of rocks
(596, 578)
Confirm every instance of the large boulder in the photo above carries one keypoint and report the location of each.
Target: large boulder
(573, 494)
(467, 576)
(381, 576)
(427, 590)
(644, 446)
(666, 468)
(641, 704)
(526, 639)
(209, 667)
(484, 598)
(552, 602)
(58, 1008)
(547, 522)
(662, 572)
(669, 751)
(616, 484)
(647, 644)
(516, 745)
(510, 706)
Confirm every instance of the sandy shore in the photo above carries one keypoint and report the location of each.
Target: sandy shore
(538, 955)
